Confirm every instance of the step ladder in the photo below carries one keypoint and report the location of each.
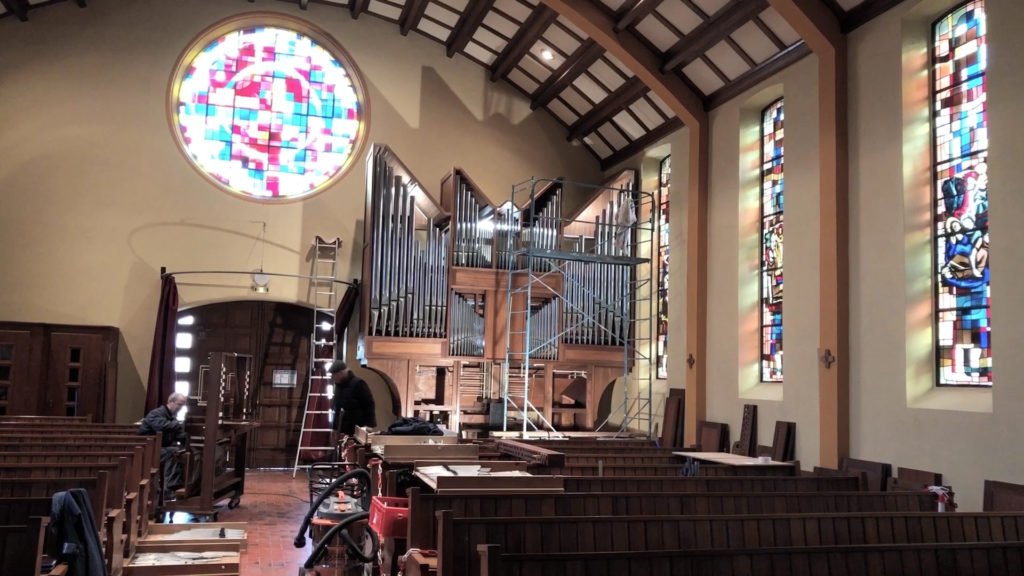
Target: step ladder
(316, 432)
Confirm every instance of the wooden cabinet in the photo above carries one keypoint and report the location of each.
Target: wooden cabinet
(58, 370)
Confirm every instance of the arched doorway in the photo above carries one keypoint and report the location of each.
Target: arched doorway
(277, 336)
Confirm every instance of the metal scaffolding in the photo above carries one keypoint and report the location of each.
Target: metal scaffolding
(584, 279)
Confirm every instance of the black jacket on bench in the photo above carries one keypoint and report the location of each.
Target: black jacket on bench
(73, 535)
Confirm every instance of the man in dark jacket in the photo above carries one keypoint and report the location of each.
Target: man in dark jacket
(164, 419)
(353, 402)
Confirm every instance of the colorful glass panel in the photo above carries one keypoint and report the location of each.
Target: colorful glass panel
(772, 207)
(664, 186)
(268, 112)
(962, 306)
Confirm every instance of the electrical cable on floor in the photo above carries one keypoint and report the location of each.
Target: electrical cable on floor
(276, 494)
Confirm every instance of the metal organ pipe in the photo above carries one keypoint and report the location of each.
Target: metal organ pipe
(408, 273)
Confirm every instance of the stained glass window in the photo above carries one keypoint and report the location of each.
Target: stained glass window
(962, 307)
(266, 111)
(772, 207)
(664, 186)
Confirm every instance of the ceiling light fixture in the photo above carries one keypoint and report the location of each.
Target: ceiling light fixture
(547, 54)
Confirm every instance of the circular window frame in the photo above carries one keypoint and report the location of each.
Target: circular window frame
(268, 19)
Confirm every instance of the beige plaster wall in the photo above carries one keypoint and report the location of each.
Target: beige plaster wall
(896, 415)
(96, 197)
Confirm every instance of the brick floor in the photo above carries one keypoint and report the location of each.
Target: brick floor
(273, 506)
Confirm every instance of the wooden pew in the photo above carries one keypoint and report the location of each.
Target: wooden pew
(588, 459)
(136, 503)
(675, 469)
(150, 465)
(97, 488)
(21, 546)
(423, 507)
(43, 419)
(113, 512)
(653, 484)
(458, 537)
(77, 441)
(971, 558)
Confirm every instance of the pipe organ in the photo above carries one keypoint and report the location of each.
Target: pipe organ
(437, 318)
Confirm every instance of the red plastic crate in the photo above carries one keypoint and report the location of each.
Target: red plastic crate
(389, 516)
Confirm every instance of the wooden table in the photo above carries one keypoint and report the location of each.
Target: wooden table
(730, 459)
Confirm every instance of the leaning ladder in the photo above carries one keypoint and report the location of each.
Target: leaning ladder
(323, 295)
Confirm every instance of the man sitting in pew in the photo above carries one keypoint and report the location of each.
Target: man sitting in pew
(164, 419)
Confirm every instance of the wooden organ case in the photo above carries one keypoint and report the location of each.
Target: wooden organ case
(435, 315)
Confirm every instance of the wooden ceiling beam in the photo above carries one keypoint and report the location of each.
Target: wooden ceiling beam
(466, 27)
(637, 57)
(758, 74)
(357, 7)
(614, 103)
(712, 31)
(865, 12)
(634, 14)
(779, 44)
(639, 145)
(814, 22)
(571, 69)
(17, 7)
(536, 24)
(412, 13)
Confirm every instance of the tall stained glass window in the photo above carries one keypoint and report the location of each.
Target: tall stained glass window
(664, 186)
(962, 306)
(268, 108)
(772, 206)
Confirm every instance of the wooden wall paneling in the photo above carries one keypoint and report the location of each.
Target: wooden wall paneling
(398, 371)
(74, 380)
(19, 369)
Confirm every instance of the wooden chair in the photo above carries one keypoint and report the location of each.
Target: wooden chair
(783, 448)
(1002, 497)
(878, 473)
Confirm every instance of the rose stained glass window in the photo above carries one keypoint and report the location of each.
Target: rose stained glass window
(268, 112)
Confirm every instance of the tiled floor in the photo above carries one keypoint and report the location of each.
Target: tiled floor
(273, 505)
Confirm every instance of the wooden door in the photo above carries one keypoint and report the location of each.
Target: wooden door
(76, 380)
(18, 363)
(283, 382)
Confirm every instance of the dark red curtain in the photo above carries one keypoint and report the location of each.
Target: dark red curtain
(161, 361)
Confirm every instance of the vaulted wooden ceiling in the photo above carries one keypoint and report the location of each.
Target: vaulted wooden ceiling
(718, 48)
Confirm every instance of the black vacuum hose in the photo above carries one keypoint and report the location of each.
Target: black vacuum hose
(300, 538)
(351, 547)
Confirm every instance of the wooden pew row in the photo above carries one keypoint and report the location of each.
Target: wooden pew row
(654, 484)
(79, 440)
(136, 501)
(21, 546)
(149, 485)
(43, 419)
(590, 459)
(423, 507)
(611, 470)
(115, 514)
(458, 537)
(962, 559)
(676, 469)
(132, 428)
(95, 486)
